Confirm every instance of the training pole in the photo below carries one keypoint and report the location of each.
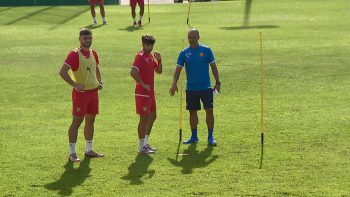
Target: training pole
(149, 14)
(262, 103)
(180, 132)
(189, 8)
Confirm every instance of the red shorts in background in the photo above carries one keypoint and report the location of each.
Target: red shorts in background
(85, 102)
(145, 105)
(134, 2)
(93, 1)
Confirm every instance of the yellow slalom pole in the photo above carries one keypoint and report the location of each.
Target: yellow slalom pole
(149, 14)
(189, 7)
(180, 133)
(262, 102)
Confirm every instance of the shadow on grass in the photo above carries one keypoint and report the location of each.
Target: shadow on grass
(71, 177)
(248, 4)
(135, 28)
(194, 159)
(139, 169)
(93, 26)
(56, 15)
(245, 27)
(5, 9)
(30, 15)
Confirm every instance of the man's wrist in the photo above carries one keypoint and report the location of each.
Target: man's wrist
(100, 82)
(159, 61)
(218, 83)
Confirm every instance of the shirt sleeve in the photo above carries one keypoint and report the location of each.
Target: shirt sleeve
(137, 62)
(211, 56)
(73, 60)
(96, 57)
(180, 59)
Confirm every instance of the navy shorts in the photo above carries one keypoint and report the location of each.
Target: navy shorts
(193, 99)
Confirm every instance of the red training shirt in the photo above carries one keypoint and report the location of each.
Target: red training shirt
(145, 65)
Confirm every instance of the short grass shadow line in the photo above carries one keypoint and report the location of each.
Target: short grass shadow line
(138, 169)
(134, 28)
(246, 27)
(71, 178)
(5, 9)
(30, 15)
(194, 159)
(94, 26)
(76, 14)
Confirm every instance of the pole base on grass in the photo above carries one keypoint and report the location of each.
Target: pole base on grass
(262, 150)
(180, 135)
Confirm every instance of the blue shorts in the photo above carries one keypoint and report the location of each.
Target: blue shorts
(193, 99)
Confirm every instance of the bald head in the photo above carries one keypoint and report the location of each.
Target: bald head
(194, 31)
(193, 37)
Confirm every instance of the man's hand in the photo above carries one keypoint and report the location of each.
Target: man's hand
(79, 86)
(99, 87)
(173, 89)
(157, 55)
(147, 87)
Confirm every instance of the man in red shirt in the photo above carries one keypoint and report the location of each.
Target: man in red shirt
(86, 81)
(142, 71)
(102, 10)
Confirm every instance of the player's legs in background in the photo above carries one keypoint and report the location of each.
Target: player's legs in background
(102, 9)
(93, 13)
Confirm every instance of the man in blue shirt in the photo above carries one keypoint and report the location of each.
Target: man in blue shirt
(197, 58)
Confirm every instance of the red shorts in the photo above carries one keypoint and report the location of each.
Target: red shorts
(134, 2)
(145, 105)
(85, 102)
(93, 1)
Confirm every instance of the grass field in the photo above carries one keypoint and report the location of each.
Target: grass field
(306, 99)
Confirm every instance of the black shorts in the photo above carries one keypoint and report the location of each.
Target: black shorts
(193, 99)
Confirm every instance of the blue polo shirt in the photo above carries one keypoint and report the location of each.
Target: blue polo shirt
(196, 62)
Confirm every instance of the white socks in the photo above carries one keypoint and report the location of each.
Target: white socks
(88, 146)
(94, 19)
(141, 143)
(146, 139)
(134, 20)
(72, 148)
(104, 19)
(140, 18)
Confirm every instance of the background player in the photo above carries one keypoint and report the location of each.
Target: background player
(133, 10)
(102, 10)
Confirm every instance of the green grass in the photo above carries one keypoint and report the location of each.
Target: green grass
(306, 102)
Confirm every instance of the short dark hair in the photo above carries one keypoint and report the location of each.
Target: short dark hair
(85, 31)
(148, 39)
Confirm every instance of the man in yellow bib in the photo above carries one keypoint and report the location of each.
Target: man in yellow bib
(86, 81)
